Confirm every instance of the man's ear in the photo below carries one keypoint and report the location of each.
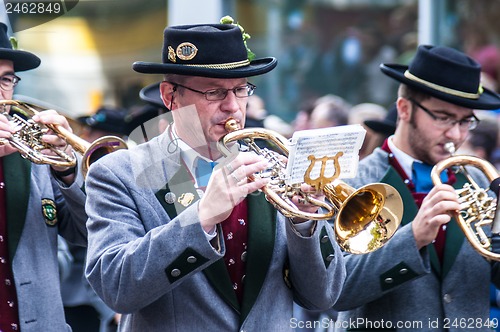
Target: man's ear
(405, 108)
(167, 90)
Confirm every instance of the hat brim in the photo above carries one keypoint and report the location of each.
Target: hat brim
(151, 94)
(381, 126)
(22, 60)
(256, 67)
(140, 116)
(83, 119)
(488, 100)
(111, 128)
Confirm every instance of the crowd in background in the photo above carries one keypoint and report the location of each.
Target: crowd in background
(315, 64)
(352, 63)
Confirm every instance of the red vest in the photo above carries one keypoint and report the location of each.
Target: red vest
(235, 230)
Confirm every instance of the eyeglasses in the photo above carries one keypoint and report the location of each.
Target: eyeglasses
(9, 81)
(221, 94)
(469, 123)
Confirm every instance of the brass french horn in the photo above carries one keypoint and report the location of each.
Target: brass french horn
(365, 218)
(477, 209)
(28, 139)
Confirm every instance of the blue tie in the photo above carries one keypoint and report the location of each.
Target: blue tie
(422, 177)
(203, 170)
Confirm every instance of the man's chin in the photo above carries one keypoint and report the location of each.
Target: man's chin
(438, 157)
(216, 138)
(218, 134)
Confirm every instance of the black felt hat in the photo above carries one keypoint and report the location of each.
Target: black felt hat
(446, 74)
(22, 60)
(386, 126)
(208, 50)
(151, 94)
(108, 119)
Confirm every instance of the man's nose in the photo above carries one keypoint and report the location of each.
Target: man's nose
(230, 103)
(455, 131)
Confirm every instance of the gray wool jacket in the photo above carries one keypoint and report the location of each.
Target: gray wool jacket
(149, 259)
(400, 288)
(39, 207)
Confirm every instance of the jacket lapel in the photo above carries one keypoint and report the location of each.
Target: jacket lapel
(176, 190)
(17, 174)
(454, 234)
(392, 178)
(410, 209)
(218, 276)
(261, 236)
(178, 194)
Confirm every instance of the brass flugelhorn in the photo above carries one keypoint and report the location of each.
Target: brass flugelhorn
(477, 208)
(28, 138)
(365, 219)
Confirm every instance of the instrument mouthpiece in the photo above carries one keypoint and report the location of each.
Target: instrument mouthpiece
(231, 125)
(450, 147)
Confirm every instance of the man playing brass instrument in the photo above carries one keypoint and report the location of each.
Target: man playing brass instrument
(170, 261)
(37, 202)
(428, 276)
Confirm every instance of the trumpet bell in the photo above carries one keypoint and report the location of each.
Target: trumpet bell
(99, 148)
(368, 218)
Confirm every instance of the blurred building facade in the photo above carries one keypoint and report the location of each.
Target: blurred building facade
(323, 46)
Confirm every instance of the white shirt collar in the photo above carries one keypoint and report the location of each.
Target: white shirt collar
(188, 155)
(404, 159)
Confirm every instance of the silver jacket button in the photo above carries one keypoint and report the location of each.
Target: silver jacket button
(175, 273)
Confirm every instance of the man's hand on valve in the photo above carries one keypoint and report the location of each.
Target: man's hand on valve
(228, 186)
(50, 137)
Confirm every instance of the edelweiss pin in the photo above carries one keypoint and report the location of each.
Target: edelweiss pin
(186, 199)
(49, 211)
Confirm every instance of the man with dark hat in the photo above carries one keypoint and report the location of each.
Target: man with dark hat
(428, 276)
(150, 120)
(84, 310)
(37, 202)
(106, 121)
(151, 94)
(387, 126)
(170, 260)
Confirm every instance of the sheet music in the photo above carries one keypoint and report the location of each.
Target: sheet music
(324, 142)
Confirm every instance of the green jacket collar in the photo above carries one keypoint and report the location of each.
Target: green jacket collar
(454, 234)
(17, 174)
